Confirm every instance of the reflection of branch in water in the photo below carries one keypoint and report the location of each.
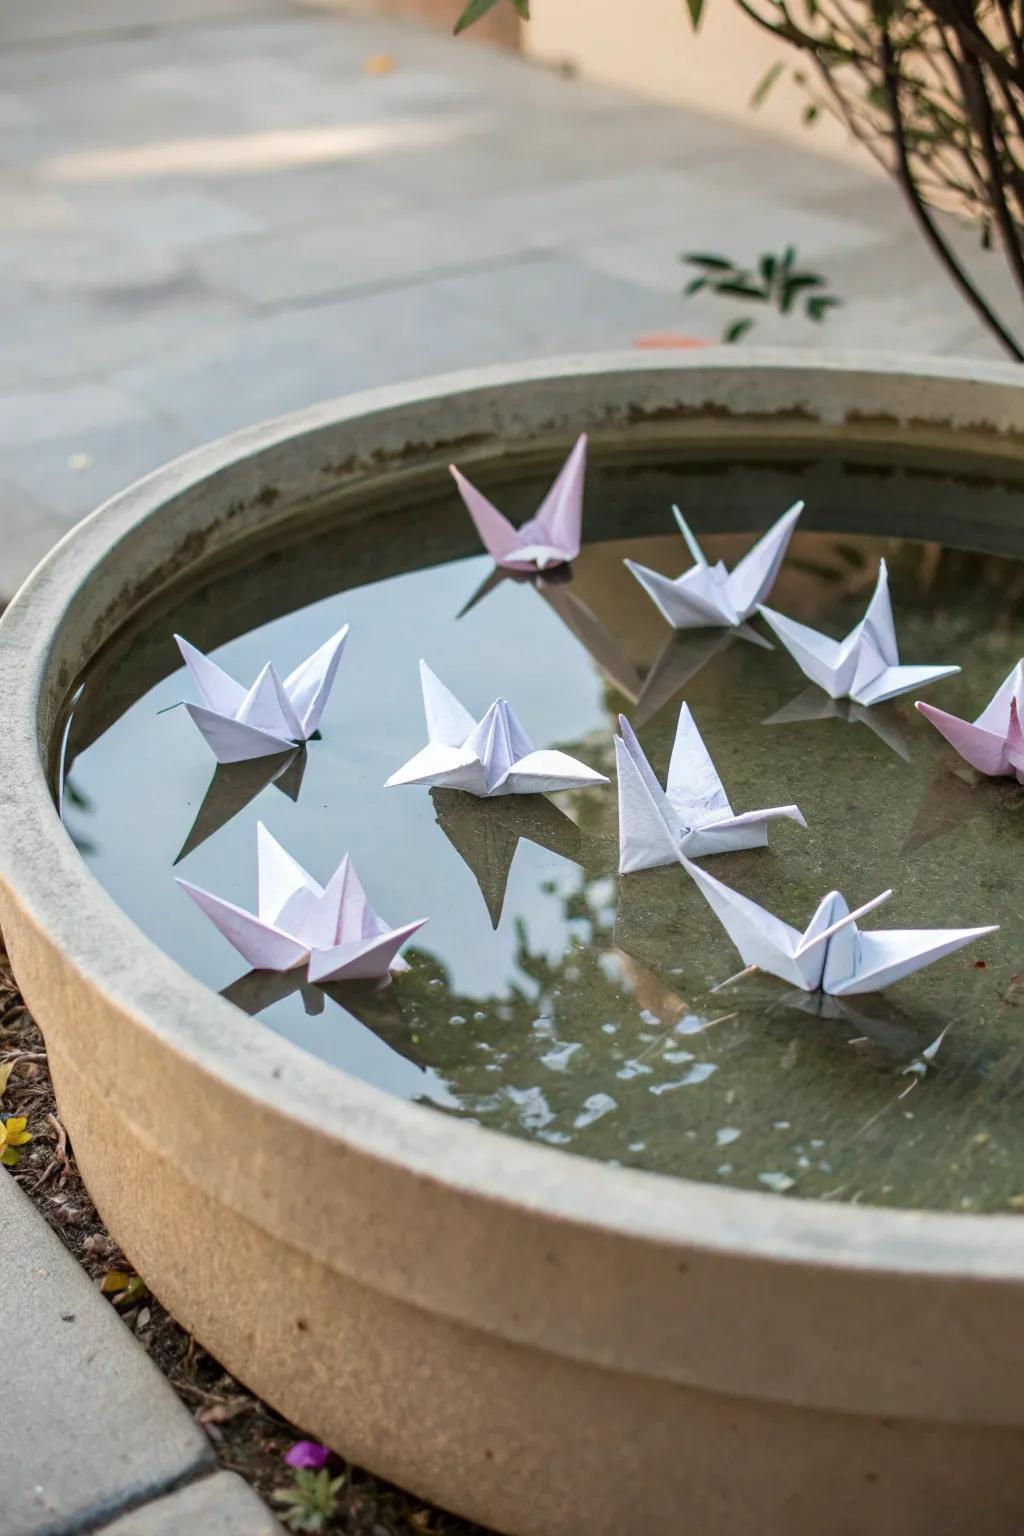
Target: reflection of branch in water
(684, 654)
(72, 798)
(486, 833)
(955, 793)
(235, 785)
(375, 1007)
(815, 704)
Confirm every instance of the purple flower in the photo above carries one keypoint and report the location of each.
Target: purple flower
(307, 1454)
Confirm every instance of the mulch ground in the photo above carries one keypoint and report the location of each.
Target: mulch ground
(248, 1436)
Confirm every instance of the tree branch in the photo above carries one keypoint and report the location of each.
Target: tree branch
(980, 108)
(927, 226)
(976, 42)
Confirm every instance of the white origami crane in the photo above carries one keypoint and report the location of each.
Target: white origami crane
(864, 667)
(709, 596)
(831, 954)
(273, 716)
(334, 928)
(994, 744)
(692, 815)
(493, 756)
(551, 537)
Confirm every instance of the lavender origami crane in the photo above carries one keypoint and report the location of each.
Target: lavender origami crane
(692, 815)
(273, 715)
(331, 927)
(492, 756)
(864, 667)
(551, 537)
(994, 744)
(831, 955)
(709, 596)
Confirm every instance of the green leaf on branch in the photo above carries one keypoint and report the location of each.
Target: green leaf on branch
(478, 8)
(738, 329)
(741, 290)
(713, 263)
(766, 82)
(818, 307)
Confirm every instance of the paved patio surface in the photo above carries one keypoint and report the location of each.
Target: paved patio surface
(210, 213)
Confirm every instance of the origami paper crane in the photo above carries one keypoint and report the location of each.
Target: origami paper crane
(493, 756)
(831, 954)
(692, 815)
(273, 716)
(333, 928)
(994, 744)
(814, 704)
(864, 667)
(709, 596)
(551, 537)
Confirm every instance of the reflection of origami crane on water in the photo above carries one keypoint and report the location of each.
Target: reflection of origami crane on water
(487, 834)
(685, 654)
(814, 704)
(492, 756)
(551, 537)
(234, 785)
(270, 717)
(831, 954)
(709, 596)
(994, 744)
(376, 1008)
(334, 928)
(864, 667)
(691, 815)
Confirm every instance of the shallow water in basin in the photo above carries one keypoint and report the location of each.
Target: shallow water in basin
(548, 997)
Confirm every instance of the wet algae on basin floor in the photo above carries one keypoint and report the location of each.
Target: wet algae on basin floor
(548, 998)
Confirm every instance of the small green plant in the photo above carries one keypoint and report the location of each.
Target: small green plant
(312, 1499)
(776, 281)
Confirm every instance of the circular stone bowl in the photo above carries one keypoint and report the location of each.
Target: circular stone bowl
(537, 1341)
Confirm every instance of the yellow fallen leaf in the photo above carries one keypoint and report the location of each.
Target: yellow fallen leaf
(114, 1280)
(6, 1068)
(378, 64)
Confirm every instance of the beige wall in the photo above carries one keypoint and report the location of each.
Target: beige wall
(500, 25)
(648, 46)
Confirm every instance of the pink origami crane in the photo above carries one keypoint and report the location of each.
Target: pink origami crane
(552, 537)
(994, 744)
(334, 928)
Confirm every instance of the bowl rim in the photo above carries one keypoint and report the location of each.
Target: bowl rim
(43, 874)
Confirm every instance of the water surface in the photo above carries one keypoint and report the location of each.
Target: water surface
(547, 997)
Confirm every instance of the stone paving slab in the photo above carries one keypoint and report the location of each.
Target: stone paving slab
(90, 1426)
(210, 213)
(222, 1505)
